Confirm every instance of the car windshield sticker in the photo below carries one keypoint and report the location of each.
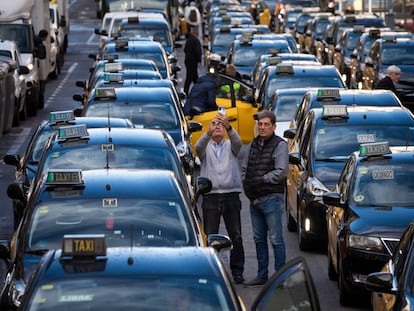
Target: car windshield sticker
(383, 174)
(366, 138)
(75, 298)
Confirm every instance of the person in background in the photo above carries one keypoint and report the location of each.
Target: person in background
(393, 74)
(193, 54)
(331, 7)
(264, 174)
(219, 163)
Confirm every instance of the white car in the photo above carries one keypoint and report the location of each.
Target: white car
(10, 49)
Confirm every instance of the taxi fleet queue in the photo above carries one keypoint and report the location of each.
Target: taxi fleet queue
(106, 193)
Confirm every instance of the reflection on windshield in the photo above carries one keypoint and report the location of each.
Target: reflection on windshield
(130, 293)
(384, 185)
(130, 219)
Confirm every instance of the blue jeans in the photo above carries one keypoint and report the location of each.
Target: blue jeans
(266, 219)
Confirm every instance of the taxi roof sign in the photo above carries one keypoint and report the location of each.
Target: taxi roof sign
(328, 94)
(113, 67)
(225, 30)
(133, 20)
(117, 77)
(284, 69)
(329, 111)
(72, 131)
(64, 177)
(61, 116)
(105, 93)
(110, 57)
(358, 28)
(274, 60)
(374, 149)
(76, 245)
(376, 32)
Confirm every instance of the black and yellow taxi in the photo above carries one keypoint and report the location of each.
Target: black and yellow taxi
(85, 274)
(318, 97)
(344, 48)
(386, 51)
(348, 21)
(318, 150)
(244, 53)
(296, 74)
(392, 287)
(274, 59)
(27, 164)
(368, 211)
(237, 98)
(130, 207)
(315, 30)
(362, 50)
(143, 48)
(221, 38)
(156, 107)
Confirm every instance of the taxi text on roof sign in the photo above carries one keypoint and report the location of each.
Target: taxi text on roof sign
(84, 245)
(113, 67)
(64, 177)
(72, 131)
(328, 93)
(334, 111)
(105, 93)
(374, 149)
(61, 116)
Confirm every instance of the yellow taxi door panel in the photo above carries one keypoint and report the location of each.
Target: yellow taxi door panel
(246, 120)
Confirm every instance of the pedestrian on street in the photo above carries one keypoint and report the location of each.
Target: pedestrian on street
(219, 163)
(202, 95)
(264, 174)
(393, 74)
(193, 53)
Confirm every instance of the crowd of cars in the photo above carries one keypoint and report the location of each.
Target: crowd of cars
(106, 195)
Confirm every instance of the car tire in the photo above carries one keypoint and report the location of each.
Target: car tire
(304, 242)
(345, 297)
(333, 276)
(23, 113)
(290, 221)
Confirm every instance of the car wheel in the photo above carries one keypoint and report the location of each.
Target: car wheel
(290, 221)
(333, 276)
(23, 113)
(304, 242)
(344, 295)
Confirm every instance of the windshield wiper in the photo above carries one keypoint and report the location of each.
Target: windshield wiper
(333, 159)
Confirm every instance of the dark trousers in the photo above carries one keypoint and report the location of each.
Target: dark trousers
(227, 205)
(191, 75)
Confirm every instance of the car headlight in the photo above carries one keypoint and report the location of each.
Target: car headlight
(367, 243)
(315, 187)
(17, 289)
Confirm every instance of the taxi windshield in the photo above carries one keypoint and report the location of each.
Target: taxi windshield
(327, 136)
(372, 179)
(130, 293)
(143, 113)
(248, 56)
(398, 55)
(156, 33)
(154, 56)
(130, 223)
(97, 156)
(286, 106)
(289, 81)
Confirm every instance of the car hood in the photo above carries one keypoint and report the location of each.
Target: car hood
(388, 221)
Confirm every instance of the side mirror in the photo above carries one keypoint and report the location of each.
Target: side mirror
(77, 112)
(203, 185)
(332, 198)
(12, 159)
(219, 242)
(15, 192)
(380, 282)
(194, 127)
(24, 70)
(80, 84)
(78, 98)
(289, 133)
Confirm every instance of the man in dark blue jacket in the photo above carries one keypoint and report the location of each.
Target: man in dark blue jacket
(202, 95)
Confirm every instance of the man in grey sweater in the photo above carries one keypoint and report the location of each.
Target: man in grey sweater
(219, 163)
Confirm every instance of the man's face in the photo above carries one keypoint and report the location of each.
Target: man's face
(395, 76)
(218, 129)
(265, 127)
